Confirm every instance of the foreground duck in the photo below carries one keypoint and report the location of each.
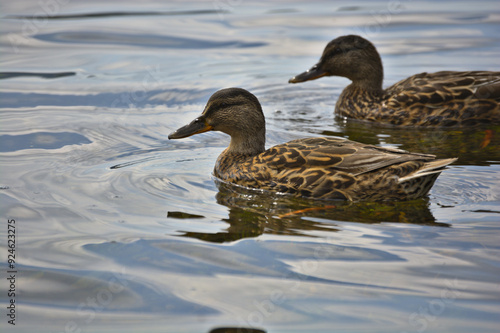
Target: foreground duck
(426, 99)
(326, 168)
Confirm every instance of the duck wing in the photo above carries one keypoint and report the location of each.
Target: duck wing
(445, 86)
(334, 154)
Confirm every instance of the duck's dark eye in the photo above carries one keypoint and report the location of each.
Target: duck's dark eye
(335, 51)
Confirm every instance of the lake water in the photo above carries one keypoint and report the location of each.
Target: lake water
(119, 229)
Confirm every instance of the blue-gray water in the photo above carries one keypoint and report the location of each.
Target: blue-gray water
(120, 230)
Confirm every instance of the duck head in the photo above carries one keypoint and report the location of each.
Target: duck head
(349, 56)
(233, 111)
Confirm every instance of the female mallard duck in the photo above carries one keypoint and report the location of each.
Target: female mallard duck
(326, 168)
(425, 99)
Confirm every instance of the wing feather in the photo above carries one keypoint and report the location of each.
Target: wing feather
(335, 154)
(442, 87)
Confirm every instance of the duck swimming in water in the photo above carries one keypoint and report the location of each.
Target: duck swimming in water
(323, 167)
(427, 99)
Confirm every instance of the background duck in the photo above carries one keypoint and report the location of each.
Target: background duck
(326, 168)
(444, 98)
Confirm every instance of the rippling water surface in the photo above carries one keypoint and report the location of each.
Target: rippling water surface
(119, 229)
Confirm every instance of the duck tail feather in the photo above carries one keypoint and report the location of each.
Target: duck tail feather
(429, 168)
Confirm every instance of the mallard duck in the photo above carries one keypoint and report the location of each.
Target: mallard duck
(427, 99)
(323, 167)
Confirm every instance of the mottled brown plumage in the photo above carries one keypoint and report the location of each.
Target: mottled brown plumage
(427, 99)
(326, 168)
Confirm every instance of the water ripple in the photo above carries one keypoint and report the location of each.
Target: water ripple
(143, 40)
(40, 140)
(8, 75)
(122, 229)
(116, 14)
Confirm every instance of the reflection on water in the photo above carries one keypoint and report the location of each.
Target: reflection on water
(253, 213)
(41, 140)
(88, 37)
(120, 229)
(115, 14)
(236, 330)
(8, 75)
(471, 146)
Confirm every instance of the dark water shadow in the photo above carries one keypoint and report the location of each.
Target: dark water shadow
(142, 40)
(236, 330)
(9, 75)
(253, 213)
(40, 140)
(115, 14)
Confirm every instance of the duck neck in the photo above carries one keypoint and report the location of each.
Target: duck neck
(247, 144)
(368, 90)
(369, 76)
(358, 101)
(370, 80)
(370, 86)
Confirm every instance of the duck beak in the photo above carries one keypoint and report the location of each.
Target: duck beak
(199, 125)
(312, 74)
